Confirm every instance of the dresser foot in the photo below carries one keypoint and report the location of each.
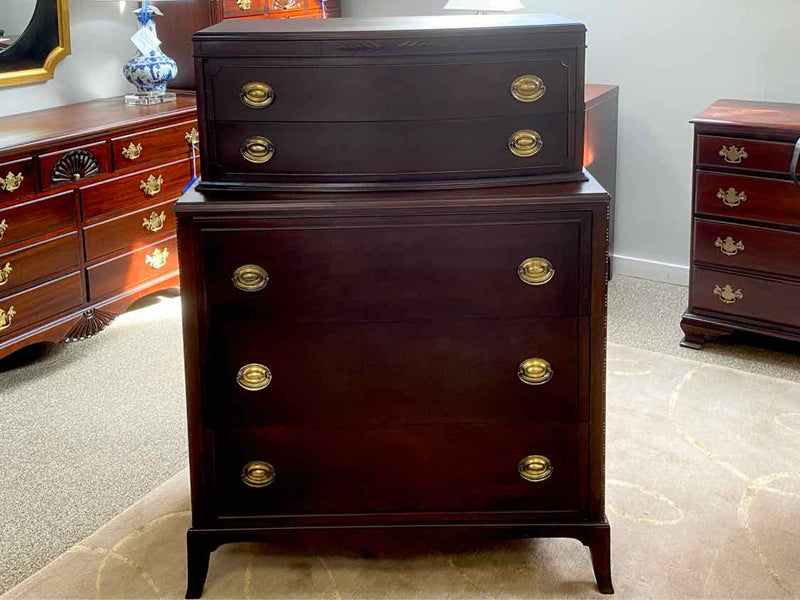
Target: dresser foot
(697, 334)
(600, 547)
(198, 554)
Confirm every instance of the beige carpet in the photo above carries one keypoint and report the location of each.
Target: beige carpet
(703, 497)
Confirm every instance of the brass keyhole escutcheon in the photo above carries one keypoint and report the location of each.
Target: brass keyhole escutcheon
(254, 377)
(535, 371)
(257, 94)
(536, 271)
(535, 468)
(250, 278)
(258, 150)
(525, 143)
(528, 88)
(258, 474)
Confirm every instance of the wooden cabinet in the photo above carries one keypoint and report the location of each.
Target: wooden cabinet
(86, 219)
(275, 9)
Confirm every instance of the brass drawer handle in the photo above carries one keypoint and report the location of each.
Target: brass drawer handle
(254, 377)
(192, 137)
(525, 143)
(258, 474)
(732, 198)
(258, 150)
(6, 317)
(3, 228)
(155, 222)
(729, 246)
(158, 259)
(152, 186)
(536, 271)
(132, 152)
(535, 371)
(250, 278)
(5, 274)
(11, 182)
(535, 468)
(727, 294)
(733, 155)
(257, 94)
(244, 4)
(528, 88)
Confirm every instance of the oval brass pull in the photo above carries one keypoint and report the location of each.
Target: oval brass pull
(6, 316)
(152, 185)
(5, 273)
(158, 259)
(727, 294)
(729, 246)
(3, 228)
(525, 143)
(732, 198)
(528, 88)
(155, 222)
(250, 278)
(535, 468)
(132, 152)
(258, 474)
(535, 371)
(536, 271)
(192, 136)
(733, 155)
(254, 377)
(258, 150)
(257, 94)
(11, 182)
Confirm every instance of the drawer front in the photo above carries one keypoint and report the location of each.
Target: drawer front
(129, 231)
(742, 153)
(20, 268)
(423, 270)
(456, 371)
(17, 179)
(286, 8)
(747, 247)
(165, 182)
(746, 296)
(73, 165)
(153, 145)
(347, 152)
(241, 8)
(394, 92)
(43, 302)
(749, 198)
(342, 470)
(133, 268)
(37, 217)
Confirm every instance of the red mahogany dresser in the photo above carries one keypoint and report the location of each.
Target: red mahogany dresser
(86, 214)
(745, 271)
(275, 9)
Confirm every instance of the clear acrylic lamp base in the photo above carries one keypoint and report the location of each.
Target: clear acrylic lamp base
(148, 98)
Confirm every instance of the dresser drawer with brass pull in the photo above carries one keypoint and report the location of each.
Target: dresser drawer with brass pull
(73, 165)
(742, 153)
(17, 179)
(152, 145)
(129, 231)
(274, 471)
(28, 307)
(37, 261)
(26, 220)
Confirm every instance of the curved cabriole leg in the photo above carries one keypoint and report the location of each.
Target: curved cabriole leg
(600, 547)
(198, 553)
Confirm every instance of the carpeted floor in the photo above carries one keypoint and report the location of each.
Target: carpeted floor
(94, 426)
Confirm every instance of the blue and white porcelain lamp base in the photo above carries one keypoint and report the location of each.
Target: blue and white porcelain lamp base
(151, 72)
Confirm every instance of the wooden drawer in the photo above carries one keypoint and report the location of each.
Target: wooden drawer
(726, 152)
(37, 217)
(241, 8)
(364, 152)
(287, 8)
(746, 296)
(133, 268)
(73, 165)
(381, 92)
(153, 145)
(166, 182)
(747, 247)
(449, 371)
(424, 468)
(17, 179)
(129, 231)
(25, 266)
(366, 270)
(749, 198)
(40, 303)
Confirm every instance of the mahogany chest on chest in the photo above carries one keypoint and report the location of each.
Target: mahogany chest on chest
(412, 103)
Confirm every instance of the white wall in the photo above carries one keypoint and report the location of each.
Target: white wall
(671, 59)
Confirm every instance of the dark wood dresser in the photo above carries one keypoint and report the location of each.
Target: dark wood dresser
(745, 271)
(396, 360)
(86, 214)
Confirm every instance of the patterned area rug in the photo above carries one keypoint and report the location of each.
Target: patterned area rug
(703, 498)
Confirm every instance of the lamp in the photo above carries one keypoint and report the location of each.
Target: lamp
(150, 70)
(484, 6)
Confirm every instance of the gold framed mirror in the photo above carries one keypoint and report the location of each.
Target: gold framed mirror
(34, 38)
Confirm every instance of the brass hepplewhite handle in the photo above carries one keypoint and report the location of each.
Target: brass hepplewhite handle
(155, 222)
(733, 154)
(258, 474)
(729, 246)
(525, 143)
(727, 294)
(250, 278)
(132, 152)
(5, 274)
(158, 259)
(258, 150)
(152, 185)
(535, 371)
(731, 197)
(257, 94)
(528, 88)
(254, 377)
(11, 182)
(6, 316)
(536, 271)
(535, 468)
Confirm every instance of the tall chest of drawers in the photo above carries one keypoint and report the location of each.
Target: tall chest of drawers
(86, 214)
(393, 361)
(745, 273)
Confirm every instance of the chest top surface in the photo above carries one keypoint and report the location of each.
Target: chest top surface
(768, 116)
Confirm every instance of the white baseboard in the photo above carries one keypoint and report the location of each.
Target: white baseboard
(650, 269)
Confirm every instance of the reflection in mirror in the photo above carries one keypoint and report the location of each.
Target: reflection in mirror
(15, 15)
